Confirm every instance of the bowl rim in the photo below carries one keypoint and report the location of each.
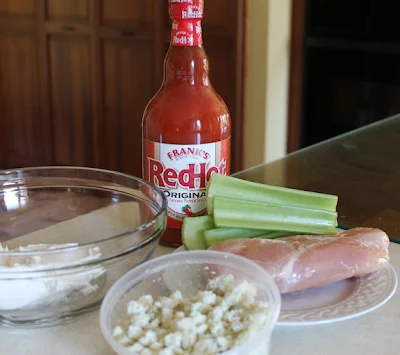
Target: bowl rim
(125, 282)
(149, 223)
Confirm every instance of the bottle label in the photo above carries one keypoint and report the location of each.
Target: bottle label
(186, 33)
(182, 171)
(186, 9)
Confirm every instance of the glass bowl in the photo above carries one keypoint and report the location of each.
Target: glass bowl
(67, 234)
(188, 272)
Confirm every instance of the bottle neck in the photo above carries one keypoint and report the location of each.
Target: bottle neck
(186, 33)
(186, 61)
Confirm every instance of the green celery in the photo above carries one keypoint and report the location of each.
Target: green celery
(230, 187)
(235, 213)
(278, 234)
(217, 235)
(193, 229)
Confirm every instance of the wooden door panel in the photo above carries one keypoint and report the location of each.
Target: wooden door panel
(24, 128)
(222, 65)
(68, 10)
(71, 99)
(296, 75)
(120, 12)
(17, 7)
(219, 16)
(128, 86)
(221, 69)
(217, 13)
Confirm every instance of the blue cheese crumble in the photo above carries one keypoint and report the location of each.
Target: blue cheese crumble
(215, 320)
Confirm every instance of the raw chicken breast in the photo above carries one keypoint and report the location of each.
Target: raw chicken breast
(304, 261)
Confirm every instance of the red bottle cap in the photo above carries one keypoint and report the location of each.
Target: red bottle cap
(186, 9)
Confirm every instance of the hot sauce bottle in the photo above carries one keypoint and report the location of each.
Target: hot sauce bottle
(186, 125)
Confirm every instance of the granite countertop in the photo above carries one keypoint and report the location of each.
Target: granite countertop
(370, 334)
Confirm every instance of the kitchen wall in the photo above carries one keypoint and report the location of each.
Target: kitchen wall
(267, 80)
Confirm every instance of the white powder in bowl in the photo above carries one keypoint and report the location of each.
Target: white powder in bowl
(30, 289)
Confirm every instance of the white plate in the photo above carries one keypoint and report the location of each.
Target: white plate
(337, 301)
(340, 300)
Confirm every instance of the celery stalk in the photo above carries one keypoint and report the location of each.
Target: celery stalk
(278, 234)
(193, 229)
(234, 213)
(230, 187)
(217, 235)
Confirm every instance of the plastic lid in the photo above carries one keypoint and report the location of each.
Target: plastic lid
(188, 271)
(186, 9)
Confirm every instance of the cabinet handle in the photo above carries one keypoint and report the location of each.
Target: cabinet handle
(68, 28)
(127, 33)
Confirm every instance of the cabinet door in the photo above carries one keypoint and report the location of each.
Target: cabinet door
(71, 99)
(223, 42)
(20, 8)
(24, 127)
(131, 68)
(127, 87)
(68, 10)
(219, 41)
(122, 12)
(218, 14)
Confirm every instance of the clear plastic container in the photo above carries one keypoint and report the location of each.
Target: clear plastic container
(189, 272)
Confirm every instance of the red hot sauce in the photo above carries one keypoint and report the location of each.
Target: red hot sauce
(186, 125)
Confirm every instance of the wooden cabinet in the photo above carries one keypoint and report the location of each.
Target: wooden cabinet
(76, 75)
(18, 9)
(23, 128)
(24, 136)
(130, 72)
(127, 68)
(70, 99)
(128, 12)
(70, 10)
